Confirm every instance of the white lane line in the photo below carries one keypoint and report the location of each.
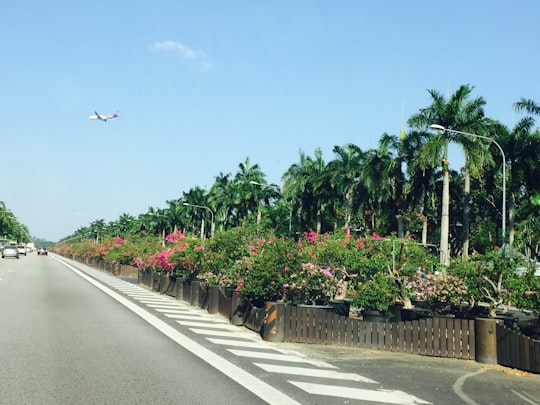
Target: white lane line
(155, 301)
(169, 310)
(280, 357)
(141, 296)
(243, 378)
(195, 318)
(212, 325)
(213, 332)
(239, 343)
(527, 397)
(384, 396)
(458, 388)
(170, 307)
(314, 372)
(187, 317)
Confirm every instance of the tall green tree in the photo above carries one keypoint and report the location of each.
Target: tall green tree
(457, 112)
(344, 172)
(222, 197)
(385, 179)
(248, 196)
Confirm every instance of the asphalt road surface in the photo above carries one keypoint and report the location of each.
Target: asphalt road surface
(70, 334)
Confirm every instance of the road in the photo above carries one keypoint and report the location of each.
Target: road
(70, 334)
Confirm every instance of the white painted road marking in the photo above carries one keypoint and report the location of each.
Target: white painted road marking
(384, 396)
(238, 343)
(280, 357)
(314, 372)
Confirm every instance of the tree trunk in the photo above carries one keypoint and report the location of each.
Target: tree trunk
(511, 219)
(399, 226)
(445, 217)
(466, 213)
(424, 229)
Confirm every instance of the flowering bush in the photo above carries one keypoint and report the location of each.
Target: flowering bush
(211, 278)
(188, 257)
(262, 274)
(439, 291)
(311, 284)
(377, 293)
(490, 278)
(526, 291)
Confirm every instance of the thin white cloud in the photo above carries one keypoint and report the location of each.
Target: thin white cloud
(198, 58)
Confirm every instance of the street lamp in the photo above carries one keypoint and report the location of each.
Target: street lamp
(202, 227)
(256, 183)
(441, 128)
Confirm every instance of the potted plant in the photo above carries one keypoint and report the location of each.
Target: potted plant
(441, 292)
(375, 295)
(311, 285)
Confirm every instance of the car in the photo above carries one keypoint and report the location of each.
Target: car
(10, 251)
(42, 251)
(21, 249)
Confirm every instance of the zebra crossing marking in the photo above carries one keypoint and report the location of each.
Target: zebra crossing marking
(238, 343)
(212, 325)
(222, 333)
(280, 357)
(384, 396)
(314, 372)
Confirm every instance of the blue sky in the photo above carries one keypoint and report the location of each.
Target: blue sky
(203, 85)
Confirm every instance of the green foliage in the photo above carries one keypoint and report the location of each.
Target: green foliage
(525, 291)
(490, 278)
(311, 285)
(440, 291)
(377, 293)
(379, 271)
(262, 274)
(129, 249)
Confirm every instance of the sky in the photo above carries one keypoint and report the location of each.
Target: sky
(201, 86)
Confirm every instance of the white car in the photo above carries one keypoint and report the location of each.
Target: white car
(21, 249)
(10, 251)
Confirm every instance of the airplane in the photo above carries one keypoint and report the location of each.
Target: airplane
(104, 118)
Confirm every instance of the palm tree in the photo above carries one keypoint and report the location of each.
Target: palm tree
(522, 147)
(248, 197)
(97, 227)
(126, 224)
(459, 113)
(308, 183)
(196, 197)
(527, 106)
(344, 172)
(423, 176)
(384, 177)
(221, 197)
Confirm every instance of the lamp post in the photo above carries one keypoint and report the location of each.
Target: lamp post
(441, 128)
(202, 226)
(256, 183)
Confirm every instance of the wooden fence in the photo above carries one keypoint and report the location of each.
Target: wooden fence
(439, 337)
(517, 351)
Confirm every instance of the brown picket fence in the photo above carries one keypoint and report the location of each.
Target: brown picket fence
(517, 351)
(439, 337)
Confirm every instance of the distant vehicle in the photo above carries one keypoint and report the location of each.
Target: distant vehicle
(10, 251)
(21, 249)
(104, 118)
(42, 251)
